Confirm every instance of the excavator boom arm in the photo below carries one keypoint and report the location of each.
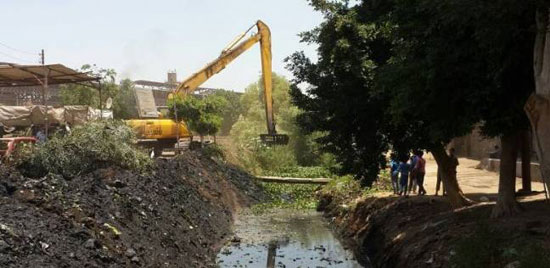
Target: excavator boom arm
(228, 55)
(194, 81)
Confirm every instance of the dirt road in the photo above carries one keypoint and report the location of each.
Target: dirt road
(474, 182)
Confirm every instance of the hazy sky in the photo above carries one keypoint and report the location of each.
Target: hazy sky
(144, 39)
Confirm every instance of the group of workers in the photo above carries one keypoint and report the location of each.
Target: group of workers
(407, 174)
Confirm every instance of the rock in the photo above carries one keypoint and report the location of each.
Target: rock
(43, 245)
(135, 259)
(515, 264)
(113, 229)
(236, 239)
(484, 199)
(4, 246)
(119, 184)
(130, 252)
(8, 230)
(90, 243)
(430, 261)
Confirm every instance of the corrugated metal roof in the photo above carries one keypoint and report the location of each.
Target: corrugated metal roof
(14, 75)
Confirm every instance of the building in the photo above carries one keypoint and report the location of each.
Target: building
(32, 95)
(161, 90)
(28, 95)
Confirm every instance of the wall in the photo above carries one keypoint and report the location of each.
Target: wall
(474, 145)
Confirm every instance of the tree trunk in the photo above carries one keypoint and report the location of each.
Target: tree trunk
(507, 204)
(525, 145)
(448, 176)
(201, 139)
(538, 105)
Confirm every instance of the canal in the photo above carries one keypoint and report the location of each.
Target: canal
(284, 238)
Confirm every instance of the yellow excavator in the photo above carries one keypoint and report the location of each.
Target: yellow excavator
(159, 134)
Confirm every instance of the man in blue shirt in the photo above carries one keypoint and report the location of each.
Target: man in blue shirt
(403, 170)
(394, 165)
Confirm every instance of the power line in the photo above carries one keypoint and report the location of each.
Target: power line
(16, 49)
(16, 58)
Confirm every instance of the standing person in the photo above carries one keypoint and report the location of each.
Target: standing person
(394, 165)
(40, 136)
(420, 173)
(403, 170)
(412, 181)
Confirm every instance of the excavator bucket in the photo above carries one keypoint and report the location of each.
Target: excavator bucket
(274, 139)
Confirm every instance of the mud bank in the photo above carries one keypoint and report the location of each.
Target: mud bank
(423, 231)
(175, 216)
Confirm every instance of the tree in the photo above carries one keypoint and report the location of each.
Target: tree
(77, 94)
(340, 98)
(232, 110)
(124, 103)
(414, 75)
(481, 61)
(301, 149)
(202, 115)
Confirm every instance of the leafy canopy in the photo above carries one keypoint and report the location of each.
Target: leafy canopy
(123, 97)
(202, 115)
(259, 158)
(414, 74)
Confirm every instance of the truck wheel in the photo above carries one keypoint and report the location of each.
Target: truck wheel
(157, 152)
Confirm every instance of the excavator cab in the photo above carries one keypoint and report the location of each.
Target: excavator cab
(274, 139)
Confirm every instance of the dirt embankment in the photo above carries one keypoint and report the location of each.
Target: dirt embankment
(423, 231)
(176, 216)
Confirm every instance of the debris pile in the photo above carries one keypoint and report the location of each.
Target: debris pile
(175, 215)
(87, 147)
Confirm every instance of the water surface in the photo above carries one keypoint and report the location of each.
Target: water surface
(285, 238)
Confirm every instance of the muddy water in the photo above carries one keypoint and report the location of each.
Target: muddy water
(284, 238)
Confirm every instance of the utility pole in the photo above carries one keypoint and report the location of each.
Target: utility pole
(42, 57)
(45, 92)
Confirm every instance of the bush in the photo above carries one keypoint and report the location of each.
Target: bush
(88, 147)
(213, 151)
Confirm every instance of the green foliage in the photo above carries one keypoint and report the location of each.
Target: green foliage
(286, 195)
(412, 74)
(259, 158)
(346, 190)
(472, 67)
(213, 151)
(124, 103)
(202, 115)
(75, 94)
(340, 99)
(88, 147)
(487, 248)
(123, 96)
(231, 111)
(345, 187)
(300, 172)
